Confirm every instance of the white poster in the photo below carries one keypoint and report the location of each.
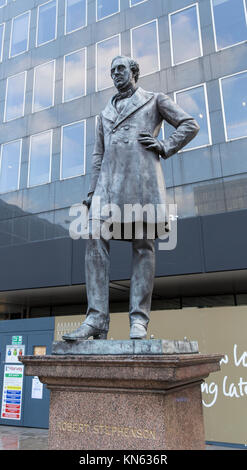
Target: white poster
(12, 392)
(37, 389)
(12, 353)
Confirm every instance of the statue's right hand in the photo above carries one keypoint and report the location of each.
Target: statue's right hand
(87, 202)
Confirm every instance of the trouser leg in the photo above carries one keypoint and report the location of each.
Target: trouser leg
(97, 268)
(142, 280)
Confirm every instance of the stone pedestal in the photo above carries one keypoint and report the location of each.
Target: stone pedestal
(124, 401)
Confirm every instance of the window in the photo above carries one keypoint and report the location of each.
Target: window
(2, 29)
(47, 23)
(39, 170)
(234, 104)
(230, 22)
(145, 47)
(10, 166)
(73, 150)
(185, 35)
(15, 97)
(194, 102)
(106, 51)
(75, 15)
(3, 3)
(106, 8)
(161, 135)
(136, 2)
(19, 34)
(43, 90)
(74, 85)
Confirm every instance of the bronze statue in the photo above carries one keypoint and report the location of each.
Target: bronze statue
(126, 169)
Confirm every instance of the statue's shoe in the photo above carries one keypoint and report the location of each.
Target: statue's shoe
(138, 331)
(85, 332)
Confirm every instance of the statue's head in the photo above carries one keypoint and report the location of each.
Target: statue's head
(124, 71)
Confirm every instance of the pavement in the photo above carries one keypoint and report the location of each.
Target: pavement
(19, 438)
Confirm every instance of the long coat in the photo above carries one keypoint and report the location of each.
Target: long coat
(123, 170)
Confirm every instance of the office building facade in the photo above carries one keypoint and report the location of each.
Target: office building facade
(54, 81)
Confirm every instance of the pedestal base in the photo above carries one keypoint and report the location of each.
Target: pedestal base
(131, 402)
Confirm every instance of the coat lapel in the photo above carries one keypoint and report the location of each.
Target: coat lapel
(139, 99)
(110, 112)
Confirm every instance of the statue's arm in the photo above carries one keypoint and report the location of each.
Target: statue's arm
(97, 156)
(186, 126)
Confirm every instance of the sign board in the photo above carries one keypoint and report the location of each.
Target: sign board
(12, 353)
(16, 339)
(37, 388)
(12, 392)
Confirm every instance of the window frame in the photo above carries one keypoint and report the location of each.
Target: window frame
(19, 166)
(4, 5)
(214, 28)
(64, 59)
(84, 150)
(53, 89)
(96, 61)
(37, 24)
(204, 85)
(223, 106)
(199, 33)
(2, 45)
(24, 96)
(29, 158)
(155, 20)
(108, 16)
(65, 19)
(132, 6)
(11, 34)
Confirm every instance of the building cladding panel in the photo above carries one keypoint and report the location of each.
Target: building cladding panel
(207, 179)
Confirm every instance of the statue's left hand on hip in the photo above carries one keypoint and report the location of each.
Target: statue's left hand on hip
(150, 142)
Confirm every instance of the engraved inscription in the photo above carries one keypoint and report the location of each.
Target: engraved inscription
(107, 430)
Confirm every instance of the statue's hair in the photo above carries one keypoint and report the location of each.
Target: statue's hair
(134, 66)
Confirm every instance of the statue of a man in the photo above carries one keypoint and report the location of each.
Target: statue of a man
(126, 169)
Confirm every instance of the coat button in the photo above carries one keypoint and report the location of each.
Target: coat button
(114, 130)
(126, 128)
(126, 141)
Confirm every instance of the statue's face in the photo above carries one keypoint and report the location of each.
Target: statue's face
(121, 73)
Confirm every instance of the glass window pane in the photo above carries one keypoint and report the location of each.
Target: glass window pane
(73, 150)
(234, 94)
(184, 198)
(75, 15)
(193, 101)
(145, 47)
(3, 3)
(185, 38)
(106, 51)
(200, 198)
(2, 27)
(19, 35)
(106, 8)
(75, 75)
(15, 96)
(43, 96)
(209, 197)
(230, 22)
(10, 163)
(236, 192)
(40, 158)
(47, 22)
(161, 135)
